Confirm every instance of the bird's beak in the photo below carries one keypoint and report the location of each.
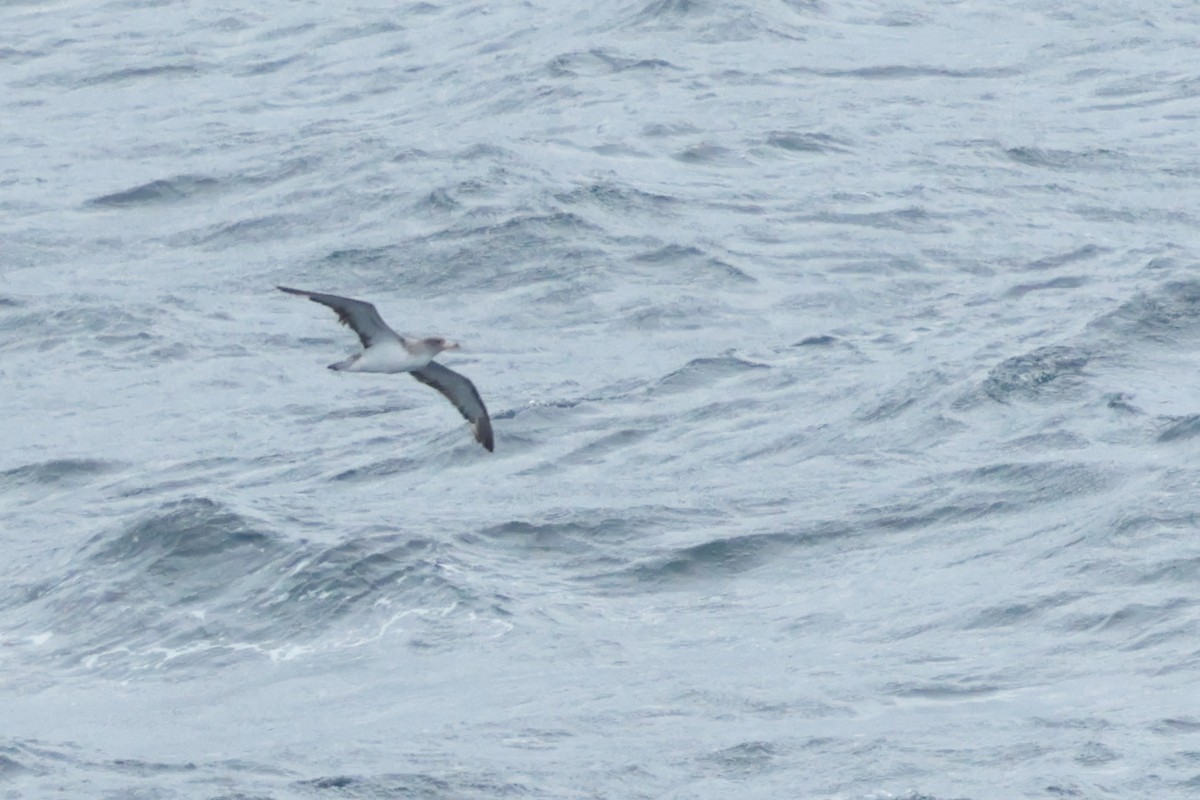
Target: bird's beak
(452, 346)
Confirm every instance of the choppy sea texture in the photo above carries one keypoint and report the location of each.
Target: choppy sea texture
(842, 360)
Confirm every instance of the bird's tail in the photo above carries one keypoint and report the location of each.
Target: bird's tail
(349, 362)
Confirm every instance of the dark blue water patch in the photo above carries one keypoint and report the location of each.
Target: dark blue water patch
(312, 416)
(526, 229)
(135, 74)
(670, 253)
(149, 769)
(230, 24)
(705, 154)
(1175, 570)
(599, 450)
(668, 131)
(694, 266)
(620, 199)
(608, 532)
(527, 250)
(790, 442)
(1086, 253)
(984, 493)
(904, 72)
(718, 558)
(1176, 726)
(1018, 614)
(1047, 373)
(73, 772)
(81, 323)
(566, 537)
(58, 472)
(10, 767)
(701, 372)
(439, 200)
(550, 409)
(916, 392)
(486, 152)
(906, 516)
(159, 192)
(743, 760)
(1065, 160)
(1064, 282)
(568, 545)
(950, 689)
(268, 66)
(1141, 617)
(909, 218)
(354, 32)
(278, 171)
(285, 32)
(598, 62)
(1107, 214)
(686, 313)
(1143, 525)
(1073, 723)
(820, 340)
(599, 548)
(242, 232)
(424, 8)
(797, 142)
(735, 409)
(1094, 754)
(24, 758)
(1168, 314)
(382, 468)
(1135, 619)
(1179, 429)
(357, 257)
(461, 785)
(13, 54)
(670, 10)
(1025, 484)
(137, 337)
(1048, 442)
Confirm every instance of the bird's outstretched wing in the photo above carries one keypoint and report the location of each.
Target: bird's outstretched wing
(461, 392)
(362, 317)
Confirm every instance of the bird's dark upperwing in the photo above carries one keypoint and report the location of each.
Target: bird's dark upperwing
(362, 317)
(461, 392)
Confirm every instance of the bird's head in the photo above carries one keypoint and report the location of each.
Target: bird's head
(437, 344)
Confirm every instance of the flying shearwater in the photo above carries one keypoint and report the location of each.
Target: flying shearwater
(386, 351)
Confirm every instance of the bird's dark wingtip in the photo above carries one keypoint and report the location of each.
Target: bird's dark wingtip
(484, 437)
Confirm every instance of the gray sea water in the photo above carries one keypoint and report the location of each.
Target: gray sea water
(842, 359)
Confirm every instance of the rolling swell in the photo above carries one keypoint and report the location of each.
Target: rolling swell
(1044, 373)
(66, 471)
(1168, 314)
(159, 192)
(195, 583)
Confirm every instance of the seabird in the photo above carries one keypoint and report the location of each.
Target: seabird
(386, 351)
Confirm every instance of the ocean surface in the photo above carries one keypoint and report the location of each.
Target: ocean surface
(843, 361)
